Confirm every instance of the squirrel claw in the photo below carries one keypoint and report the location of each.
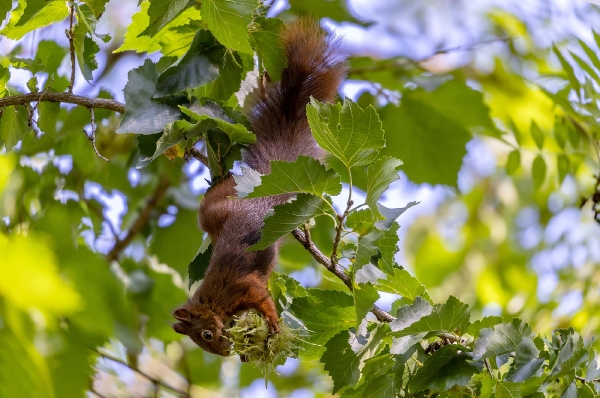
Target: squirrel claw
(273, 327)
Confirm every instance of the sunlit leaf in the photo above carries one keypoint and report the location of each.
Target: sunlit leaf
(351, 134)
(228, 21)
(306, 174)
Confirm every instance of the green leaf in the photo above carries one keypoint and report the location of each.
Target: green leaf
(584, 65)
(585, 391)
(365, 296)
(156, 144)
(526, 363)
(325, 313)
(500, 339)
(346, 131)
(4, 78)
(168, 243)
(409, 314)
(346, 352)
(50, 55)
(306, 174)
(591, 54)
(402, 283)
(265, 33)
(35, 15)
(85, 50)
(199, 265)
(287, 216)
(445, 369)
(560, 132)
(13, 125)
(48, 116)
(377, 244)
(506, 389)
(210, 116)
(431, 129)
(390, 215)
(229, 20)
(22, 367)
(567, 68)
(200, 65)
(380, 174)
(173, 40)
(483, 323)
(161, 13)
(228, 82)
(538, 171)
(513, 162)
(5, 7)
(143, 113)
(97, 6)
(563, 165)
(572, 354)
(338, 10)
(361, 221)
(451, 317)
(87, 18)
(537, 134)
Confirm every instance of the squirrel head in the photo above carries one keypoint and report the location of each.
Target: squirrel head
(204, 326)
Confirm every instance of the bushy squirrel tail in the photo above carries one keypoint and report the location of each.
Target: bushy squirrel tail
(316, 67)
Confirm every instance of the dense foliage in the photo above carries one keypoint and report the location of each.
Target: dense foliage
(98, 201)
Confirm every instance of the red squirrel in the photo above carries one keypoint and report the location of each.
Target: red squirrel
(236, 279)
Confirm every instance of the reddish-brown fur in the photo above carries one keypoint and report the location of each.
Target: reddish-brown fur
(236, 279)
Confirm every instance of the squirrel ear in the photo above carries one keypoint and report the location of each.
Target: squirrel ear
(180, 328)
(182, 314)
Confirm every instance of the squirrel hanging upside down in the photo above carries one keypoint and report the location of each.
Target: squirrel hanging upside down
(236, 279)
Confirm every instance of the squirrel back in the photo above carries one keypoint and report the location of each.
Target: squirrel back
(236, 279)
(316, 67)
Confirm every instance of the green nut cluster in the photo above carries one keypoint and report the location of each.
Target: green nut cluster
(250, 339)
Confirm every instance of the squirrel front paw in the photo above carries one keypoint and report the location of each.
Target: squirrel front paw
(273, 322)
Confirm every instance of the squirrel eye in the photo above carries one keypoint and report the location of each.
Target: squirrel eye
(231, 324)
(207, 335)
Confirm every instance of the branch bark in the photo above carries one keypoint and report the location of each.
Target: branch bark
(301, 237)
(144, 374)
(63, 97)
(141, 221)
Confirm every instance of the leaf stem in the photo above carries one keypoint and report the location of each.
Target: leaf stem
(70, 36)
(305, 240)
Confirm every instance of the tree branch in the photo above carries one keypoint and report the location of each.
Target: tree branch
(141, 221)
(405, 61)
(301, 237)
(155, 382)
(71, 38)
(63, 97)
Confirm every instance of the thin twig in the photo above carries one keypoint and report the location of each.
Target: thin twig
(71, 38)
(489, 369)
(141, 221)
(196, 154)
(62, 97)
(92, 136)
(403, 62)
(154, 381)
(582, 379)
(300, 236)
(338, 231)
